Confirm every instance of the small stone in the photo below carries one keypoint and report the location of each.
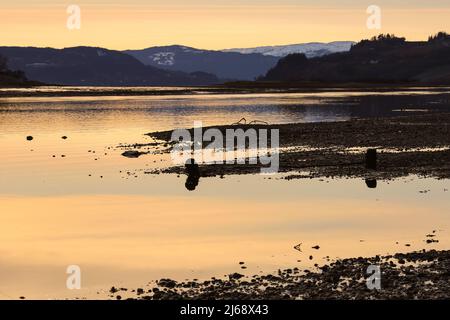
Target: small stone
(167, 283)
(132, 154)
(29, 138)
(235, 276)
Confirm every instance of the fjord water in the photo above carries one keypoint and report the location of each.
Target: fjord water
(77, 201)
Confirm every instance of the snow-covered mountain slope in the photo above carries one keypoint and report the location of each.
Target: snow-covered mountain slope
(226, 65)
(233, 64)
(313, 49)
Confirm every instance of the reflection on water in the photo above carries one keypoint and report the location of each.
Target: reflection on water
(371, 183)
(167, 112)
(124, 239)
(77, 201)
(193, 173)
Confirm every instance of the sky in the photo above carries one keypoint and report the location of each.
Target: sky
(213, 24)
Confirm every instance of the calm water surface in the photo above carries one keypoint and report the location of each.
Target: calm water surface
(126, 230)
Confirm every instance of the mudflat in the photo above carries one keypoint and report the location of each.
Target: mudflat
(414, 144)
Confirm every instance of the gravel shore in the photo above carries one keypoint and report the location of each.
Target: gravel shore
(421, 275)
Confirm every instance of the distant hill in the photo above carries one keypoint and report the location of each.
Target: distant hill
(94, 66)
(382, 59)
(10, 78)
(311, 50)
(226, 65)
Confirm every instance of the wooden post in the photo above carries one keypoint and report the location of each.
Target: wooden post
(371, 159)
(192, 168)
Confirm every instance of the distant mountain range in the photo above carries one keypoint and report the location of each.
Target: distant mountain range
(169, 65)
(385, 58)
(231, 64)
(95, 67)
(226, 65)
(311, 50)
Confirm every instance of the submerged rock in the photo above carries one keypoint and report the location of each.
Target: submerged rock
(132, 154)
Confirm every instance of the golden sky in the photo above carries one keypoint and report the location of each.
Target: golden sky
(213, 24)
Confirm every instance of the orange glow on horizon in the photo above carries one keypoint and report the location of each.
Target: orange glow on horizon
(209, 26)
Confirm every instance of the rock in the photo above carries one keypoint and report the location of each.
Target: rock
(140, 291)
(167, 283)
(235, 276)
(132, 154)
(29, 138)
(113, 290)
(64, 137)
